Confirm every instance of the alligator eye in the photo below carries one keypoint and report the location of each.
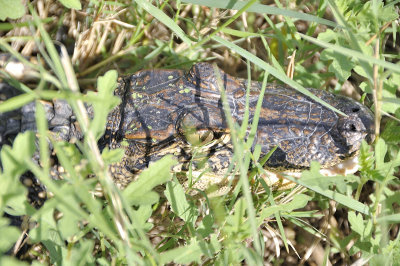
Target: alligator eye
(199, 136)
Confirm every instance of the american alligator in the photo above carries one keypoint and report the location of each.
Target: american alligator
(180, 113)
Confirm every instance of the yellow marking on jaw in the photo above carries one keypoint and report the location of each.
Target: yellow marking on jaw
(152, 133)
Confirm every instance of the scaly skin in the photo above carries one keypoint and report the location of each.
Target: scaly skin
(164, 111)
(160, 109)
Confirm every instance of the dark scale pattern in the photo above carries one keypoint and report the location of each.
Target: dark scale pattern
(161, 107)
(165, 111)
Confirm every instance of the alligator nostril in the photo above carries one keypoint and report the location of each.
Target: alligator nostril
(355, 109)
(352, 128)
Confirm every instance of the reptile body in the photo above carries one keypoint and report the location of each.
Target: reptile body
(180, 113)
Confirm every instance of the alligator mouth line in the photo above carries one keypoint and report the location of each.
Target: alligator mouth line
(204, 179)
(278, 181)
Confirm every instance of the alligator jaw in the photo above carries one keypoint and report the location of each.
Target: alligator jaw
(278, 181)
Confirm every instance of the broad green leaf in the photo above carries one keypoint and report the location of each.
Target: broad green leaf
(68, 157)
(75, 4)
(359, 226)
(57, 252)
(46, 226)
(81, 254)
(12, 193)
(176, 197)
(158, 173)
(380, 152)
(366, 157)
(106, 102)
(24, 146)
(206, 226)
(367, 230)
(12, 261)
(142, 215)
(13, 158)
(390, 92)
(112, 156)
(356, 222)
(11, 9)
(71, 151)
(313, 177)
(341, 65)
(299, 201)
(328, 35)
(183, 255)
(15, 198)
(68, 224)
(191, 252)
(9, 235)
(149, 198)
(375, 13)
(391, 133)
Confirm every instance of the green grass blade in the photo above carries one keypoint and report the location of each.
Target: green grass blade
(239, 33)
(10, 26)
(352, 53)
(259, 8)
(243, 9)
(238, 150)
(340, 198)
(392, 218)
(278, 74)
(55, 59)
(42, 126)
(17, 102)
(167, 21)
